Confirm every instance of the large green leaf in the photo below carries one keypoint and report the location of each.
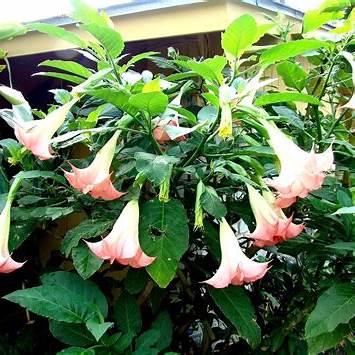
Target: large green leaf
(153, 103)
(72, 283)
(58, 32)
(288, 50)
(164, 233)
(240, 35)
(89, 228)
(110, 39)
(71, 333)
(69, 66)
(63, 76)
(335, 306)
(236, 306)
(292, 75)
(85, 262)
(116, 98)
(127, 314)
(327, 341)
(53, 302)
(274, 98)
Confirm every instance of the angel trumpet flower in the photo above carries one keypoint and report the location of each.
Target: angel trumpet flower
(301, 172)
(122, 244)
(272, 226)
(226, 95)
(235, 268)
(95, 179)
(7, 264)
(36, 135)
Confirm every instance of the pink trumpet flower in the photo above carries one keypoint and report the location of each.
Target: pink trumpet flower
(95, 179)
(301, 172)
(7, 264)
(272, 226)
(122, 244)
(36, 135)
(235, 268)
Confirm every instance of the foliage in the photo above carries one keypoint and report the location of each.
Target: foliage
(185, 185)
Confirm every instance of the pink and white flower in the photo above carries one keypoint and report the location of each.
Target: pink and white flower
(122, 244)
(96, 178)
(7, 264)
(235, 268)
(36, 135)
(301, 172)
(272, 226)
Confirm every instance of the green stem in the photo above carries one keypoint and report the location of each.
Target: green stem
(335, 123)
(195, 154)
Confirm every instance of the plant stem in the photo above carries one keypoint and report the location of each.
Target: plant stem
(335, 123)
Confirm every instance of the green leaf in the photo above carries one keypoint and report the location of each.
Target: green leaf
(236, 306)
(116, 98)
(335, 306)
(274, 98)
(127, 314)
(345, 210)
(53, 302)
(97, 329)
(153, 103)
(69, 66)
(67, 77)
(58, 32)
(326, 341)
(240, 35)
(71, 333)
(164, 233)
(86, 14)
(342, 246)
(164, 326)
(85, 262)
(290, 115)
(77, 351)
(33, 174)
(209, 69)
(10, 30)
(154, 167)
(89, 228)
(72, 283)
(147, 340)
(110, 39)
(290, 49)
(135, 280)
(292, 74)
(212, 204)
(329, 10)
(20, 231)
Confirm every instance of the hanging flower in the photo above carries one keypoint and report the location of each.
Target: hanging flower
(95, 179)
(7, 264)
(272, 226)
(301, 172)
(36, 135)
(226, 95)
(235, 268)
(122, 244)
